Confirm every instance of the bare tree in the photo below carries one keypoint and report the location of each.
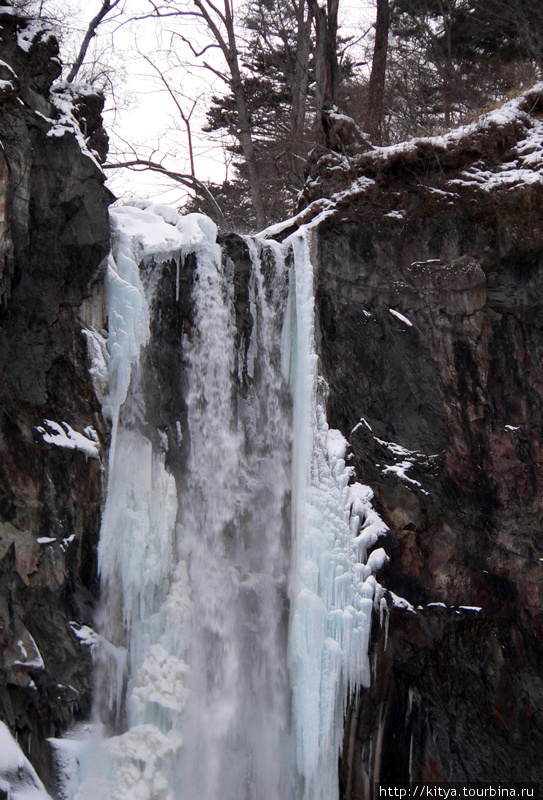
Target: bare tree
(220, 22)
(189, 181)
(105, 9)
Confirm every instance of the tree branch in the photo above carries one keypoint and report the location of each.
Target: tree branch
(107, 6)
(186, 180)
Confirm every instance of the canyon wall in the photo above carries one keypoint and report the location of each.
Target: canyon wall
(54, 237)
(429, 294)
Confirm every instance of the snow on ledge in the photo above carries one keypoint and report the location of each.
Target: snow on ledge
(157, 230)
(63, 435)
(400, 317)
(36, 30)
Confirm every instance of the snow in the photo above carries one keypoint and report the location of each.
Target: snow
(400, 470)
(158, 230)
(524, 163)
(456, 609)
(404, 460)
(68, 752)
(66, 542)
(34, 30)
(85, 634)
(312, 215)
(395, 448)
(63, 435)
(401, 602)
(8, 67)
(30, 656)
(17, 775)
(400, 317)
(336, 444)
(62, 97)
(362, 422)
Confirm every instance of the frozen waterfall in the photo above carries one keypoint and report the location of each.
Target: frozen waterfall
(237, 592)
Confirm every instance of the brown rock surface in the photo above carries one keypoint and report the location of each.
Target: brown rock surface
(429, 291)
(54, 234)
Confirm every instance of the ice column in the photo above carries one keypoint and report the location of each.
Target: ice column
(144, 587)
(332, 589)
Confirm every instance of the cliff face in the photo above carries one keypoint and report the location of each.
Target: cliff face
(431, 339)
(53, 239)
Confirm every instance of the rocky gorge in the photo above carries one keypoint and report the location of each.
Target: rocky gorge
(429, 332)
(55, 236)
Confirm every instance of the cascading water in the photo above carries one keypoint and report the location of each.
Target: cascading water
(228, 695)
(232, 534)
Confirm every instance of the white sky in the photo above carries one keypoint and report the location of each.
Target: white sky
(150, 121)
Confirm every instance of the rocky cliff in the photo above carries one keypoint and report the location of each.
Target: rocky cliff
(429, 290)
(53, 239)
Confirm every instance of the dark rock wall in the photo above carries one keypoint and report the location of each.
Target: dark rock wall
(457, 693)
(54, 235)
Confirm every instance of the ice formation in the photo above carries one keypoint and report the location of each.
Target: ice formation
(226, 695)
(333, 588)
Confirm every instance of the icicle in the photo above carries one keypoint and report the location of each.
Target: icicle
(177, 272)
(331, 590)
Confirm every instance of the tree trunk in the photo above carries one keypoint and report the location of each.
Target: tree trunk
(300, 78)
(376, 88)
(244, 137)
(243, 134)
(106, 7)
(326, 69)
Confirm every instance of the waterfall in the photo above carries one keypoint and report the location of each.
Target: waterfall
(237, 592)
